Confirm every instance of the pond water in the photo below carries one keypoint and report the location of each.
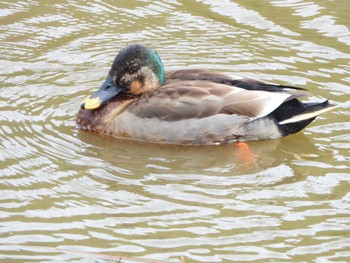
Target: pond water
(69, 196)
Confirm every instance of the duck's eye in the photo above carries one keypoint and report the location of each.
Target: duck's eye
(133, 67)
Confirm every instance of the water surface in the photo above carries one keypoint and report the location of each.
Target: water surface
(68, 196)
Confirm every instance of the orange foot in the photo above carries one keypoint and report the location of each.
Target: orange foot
(244, 154)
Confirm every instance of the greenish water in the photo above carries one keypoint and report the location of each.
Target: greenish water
(64, 192)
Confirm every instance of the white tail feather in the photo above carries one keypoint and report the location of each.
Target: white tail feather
(306, 116)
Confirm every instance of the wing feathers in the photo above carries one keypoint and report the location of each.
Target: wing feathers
(186, 99)
(254, 104)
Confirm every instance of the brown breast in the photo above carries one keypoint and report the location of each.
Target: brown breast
(100, 120)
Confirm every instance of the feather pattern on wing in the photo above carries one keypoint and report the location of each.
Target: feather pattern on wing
(189, 94)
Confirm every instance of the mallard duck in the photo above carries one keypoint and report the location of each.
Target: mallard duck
(140, 101)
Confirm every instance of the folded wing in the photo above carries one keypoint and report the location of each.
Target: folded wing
(198, 95)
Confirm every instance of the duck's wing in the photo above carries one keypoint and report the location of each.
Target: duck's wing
(188, 99)
(216, 77)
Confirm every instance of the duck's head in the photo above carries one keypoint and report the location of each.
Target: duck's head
(135, 70)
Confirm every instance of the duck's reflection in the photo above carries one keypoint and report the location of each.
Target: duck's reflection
(247, 157)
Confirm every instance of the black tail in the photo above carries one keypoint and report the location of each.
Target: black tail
(294, 115)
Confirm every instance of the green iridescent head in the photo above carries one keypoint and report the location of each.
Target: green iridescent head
(135, 70)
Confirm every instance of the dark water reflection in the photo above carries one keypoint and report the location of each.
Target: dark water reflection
(67, 195)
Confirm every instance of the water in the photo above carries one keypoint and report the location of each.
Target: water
(75, 197)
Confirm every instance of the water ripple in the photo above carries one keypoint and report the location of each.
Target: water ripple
(64, 192)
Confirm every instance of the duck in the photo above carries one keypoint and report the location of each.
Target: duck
(141, 101)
